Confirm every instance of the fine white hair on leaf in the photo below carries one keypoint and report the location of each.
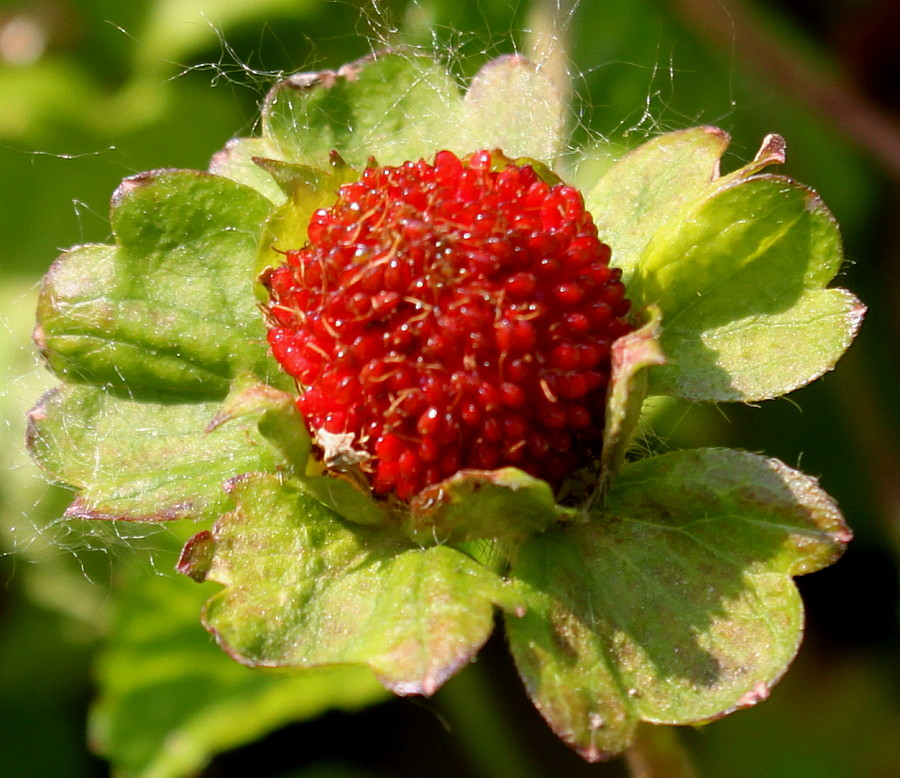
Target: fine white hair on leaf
(31, 525)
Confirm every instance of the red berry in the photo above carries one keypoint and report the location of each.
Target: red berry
(451, 316)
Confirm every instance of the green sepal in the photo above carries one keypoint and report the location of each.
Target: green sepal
(500, 161)
(305, 589)
(278, 419)
(236, 161)
(169, 311)
(738, 266)
(348, 500)
(506, 505)
(142, 461)
(307, 190)
(771, 152)
(675, 604)
(632, 357)
(289, 176)
(398, 106)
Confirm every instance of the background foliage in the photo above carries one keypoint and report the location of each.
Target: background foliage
(91, 91)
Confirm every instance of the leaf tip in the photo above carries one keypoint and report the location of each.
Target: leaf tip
(196, 556)
(38, 414)
(716, 132)
(303, 82)
(843, 535)
(754, 696)
(772, 151)
(511, 61)
(39, 337)
(132, 184)
(590, 751)
(640, 347)
(222, 156)
(326, 79)
(857, 313)
(78, 509)
(426, 686)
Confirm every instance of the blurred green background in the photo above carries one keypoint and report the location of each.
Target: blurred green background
(95, 90)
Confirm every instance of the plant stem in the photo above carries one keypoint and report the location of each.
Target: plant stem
(481, 727)
(657, 753)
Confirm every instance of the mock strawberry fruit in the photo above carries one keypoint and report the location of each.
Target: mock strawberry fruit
(448, 316)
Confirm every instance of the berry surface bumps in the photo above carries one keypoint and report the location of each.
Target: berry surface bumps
(451, 315)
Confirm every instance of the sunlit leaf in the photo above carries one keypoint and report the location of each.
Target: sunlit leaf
(675, 605)
(647, 189)
(513, 106)
(305, 589)
(170, 311)
(740, 281)
(143, 461)
(395, 106)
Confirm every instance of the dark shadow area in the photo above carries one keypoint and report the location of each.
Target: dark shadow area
(412, 737)
(669, 558)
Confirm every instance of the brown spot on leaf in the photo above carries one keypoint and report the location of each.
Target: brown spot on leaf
(772, 151)
(196, 556)
(39, 337)
(82, 509)
(326, 78)
(757, 694)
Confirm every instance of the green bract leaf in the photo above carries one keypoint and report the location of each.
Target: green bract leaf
(170, 699)
(676, 604)
(513, 106)
(168, 312)
(632, 355)
(304, 589)
(346, 499)
(235, 161)
(278, 419)
(737, 265)
(142, 461)
(505, 505)
(740, 282)
(308, 189)
(393, 106)
(649, 187)
(399, 106)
